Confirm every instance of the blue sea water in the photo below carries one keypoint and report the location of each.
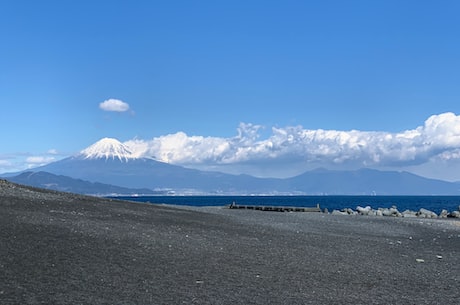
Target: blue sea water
(414, 203)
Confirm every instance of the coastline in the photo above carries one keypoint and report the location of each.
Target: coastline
(333, 202)
(61, 248)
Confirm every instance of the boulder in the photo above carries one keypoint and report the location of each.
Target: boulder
(424, 213)
(349, 211)
(444, 214)
(454, 214)
(364, 211)
(409, 214)
(393, 211)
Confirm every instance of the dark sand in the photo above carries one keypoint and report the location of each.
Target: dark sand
(60, 248)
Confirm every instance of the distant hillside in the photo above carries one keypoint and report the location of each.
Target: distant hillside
(186, 181)
(370, 182)
(67, 184)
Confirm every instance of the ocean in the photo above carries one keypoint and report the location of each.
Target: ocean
(413, 203)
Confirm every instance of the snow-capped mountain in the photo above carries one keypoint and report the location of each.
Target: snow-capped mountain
(107, 148)
(111, 162)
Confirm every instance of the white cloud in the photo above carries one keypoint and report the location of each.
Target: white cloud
(437, 138)
(5, 163)
(114, 105)
(14, 162)
(39, 160)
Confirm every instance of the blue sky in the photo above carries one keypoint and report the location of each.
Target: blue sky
(232, 78)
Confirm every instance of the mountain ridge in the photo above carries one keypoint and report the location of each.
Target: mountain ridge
(110, 162)
(62, 183)
(163, 178)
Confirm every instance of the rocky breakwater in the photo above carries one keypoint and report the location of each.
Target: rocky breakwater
(394, 212)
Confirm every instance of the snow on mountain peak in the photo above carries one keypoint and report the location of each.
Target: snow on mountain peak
(108, 148)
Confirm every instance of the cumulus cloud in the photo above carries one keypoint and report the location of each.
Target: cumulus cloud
(114, 105)
(438, 137)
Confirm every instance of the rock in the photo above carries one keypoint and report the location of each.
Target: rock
(385, 212)
(393, 211)
(349, 211)
(372, 212)
(444, 214)
(337, 212)
(424, 213)
(409, 214)
(364, 211)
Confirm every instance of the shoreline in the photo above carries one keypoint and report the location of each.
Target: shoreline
(361, 211)
(437, 204)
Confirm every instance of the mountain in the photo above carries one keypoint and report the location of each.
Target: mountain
(148, 173)
(67, 184)
(370, 182)
(112, 163)
(109, 161)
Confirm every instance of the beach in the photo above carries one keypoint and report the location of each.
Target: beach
(59, 248)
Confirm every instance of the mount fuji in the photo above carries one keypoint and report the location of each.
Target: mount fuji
(112, 163)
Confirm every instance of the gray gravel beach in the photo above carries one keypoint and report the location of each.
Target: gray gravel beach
(58, 248)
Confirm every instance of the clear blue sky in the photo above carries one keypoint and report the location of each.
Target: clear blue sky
(204, 67)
